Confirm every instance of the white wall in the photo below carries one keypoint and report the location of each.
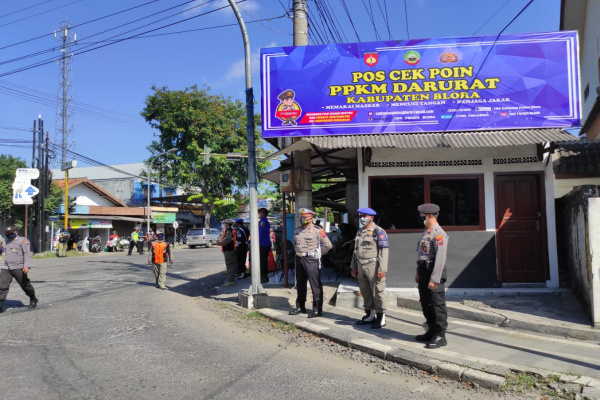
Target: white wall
(87, 197)
(564, 186)
(594, 232)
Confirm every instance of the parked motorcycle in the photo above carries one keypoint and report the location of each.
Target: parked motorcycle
(96, 246)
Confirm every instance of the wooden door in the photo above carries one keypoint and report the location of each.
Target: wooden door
(520, 228)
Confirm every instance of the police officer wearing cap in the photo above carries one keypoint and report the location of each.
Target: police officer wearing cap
(431, 276)
(307, 242)
(264, 243)
(17, 262)
(241, 247)
(369, 265)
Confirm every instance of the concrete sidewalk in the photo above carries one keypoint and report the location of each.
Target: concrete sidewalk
(483, 351)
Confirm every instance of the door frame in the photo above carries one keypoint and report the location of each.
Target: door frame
(542, 197)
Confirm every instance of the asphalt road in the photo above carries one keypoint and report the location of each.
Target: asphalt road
(103, 331)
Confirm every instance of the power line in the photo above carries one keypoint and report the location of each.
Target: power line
(41, 13)
(345, 6)
(24, 9)
(406, 19)
(493, 15)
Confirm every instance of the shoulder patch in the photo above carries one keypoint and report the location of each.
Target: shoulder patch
(440, 240)
(382, 239)
(26, 241)
(323, 234)
(262, 223)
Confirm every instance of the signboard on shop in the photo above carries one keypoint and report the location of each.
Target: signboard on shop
(164, 218)
(433, 85)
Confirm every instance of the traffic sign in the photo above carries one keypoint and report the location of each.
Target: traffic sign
(175, 225)
(23, 192)
(27, 173)
(53, 218)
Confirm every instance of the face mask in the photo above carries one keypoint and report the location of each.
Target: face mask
(11, 236)
(305, 221)
(424, 218)
(161, 236)
(364, 221)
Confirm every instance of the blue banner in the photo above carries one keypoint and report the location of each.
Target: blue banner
(433, 85)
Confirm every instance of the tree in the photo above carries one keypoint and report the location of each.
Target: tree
(193, 118)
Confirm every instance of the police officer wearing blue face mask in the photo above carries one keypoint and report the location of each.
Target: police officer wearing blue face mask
(17, 262)
(431, 276)
(369, 265)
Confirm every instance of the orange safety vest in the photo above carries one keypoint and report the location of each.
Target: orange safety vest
(223, 238)
(160, 249)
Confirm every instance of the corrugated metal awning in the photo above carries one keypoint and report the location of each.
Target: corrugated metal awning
(457, 140)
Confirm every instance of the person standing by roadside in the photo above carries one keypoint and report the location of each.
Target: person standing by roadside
(133, 241)
(241, 247)
(159, 256)
(307, 241)
(150, 237)
(369, 265)
(431, 276)
(264, 243)
(63, 242)
(228, 248)
(17, 262)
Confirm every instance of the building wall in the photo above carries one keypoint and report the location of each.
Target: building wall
(86, 196)
(471, 252)
(564, 186)
(590, 52)
(122, 189)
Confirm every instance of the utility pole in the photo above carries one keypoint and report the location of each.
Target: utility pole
(40, 165)
(65, 87)
(302, 162)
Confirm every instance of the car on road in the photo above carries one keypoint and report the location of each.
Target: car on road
(202, 237)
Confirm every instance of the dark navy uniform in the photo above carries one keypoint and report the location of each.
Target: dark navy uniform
(431, 267)
(16, 257)
(307, 242)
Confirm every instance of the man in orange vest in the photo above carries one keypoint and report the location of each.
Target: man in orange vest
(160, 255)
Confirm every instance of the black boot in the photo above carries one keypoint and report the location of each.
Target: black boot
(315, 313)
(369, 318)
(438, 340)
(379, 322)
(1, 306)
(298, 310)
(427, 336)
(33, 302)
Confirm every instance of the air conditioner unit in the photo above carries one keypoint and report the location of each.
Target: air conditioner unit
(290, 181)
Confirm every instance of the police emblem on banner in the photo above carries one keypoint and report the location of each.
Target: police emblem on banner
(371, 58)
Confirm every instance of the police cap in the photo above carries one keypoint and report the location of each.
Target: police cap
(366, 211)
(239, 221)
(286, 93)
(429, 208)
(307, 211)
(263, 210)
(10, 230)
(159, 231)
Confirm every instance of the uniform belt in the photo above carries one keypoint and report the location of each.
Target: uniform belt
(308, 254)
(366, 260)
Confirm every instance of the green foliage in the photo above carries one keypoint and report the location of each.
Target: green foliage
(223, 209)
(188, 120)
(8, 166)
(55, 199)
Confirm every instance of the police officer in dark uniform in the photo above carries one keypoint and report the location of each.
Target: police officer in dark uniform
(431, 276)
(369, 265)
(307, 242)
(17, 262)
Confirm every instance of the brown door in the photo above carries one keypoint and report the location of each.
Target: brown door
(520, 228)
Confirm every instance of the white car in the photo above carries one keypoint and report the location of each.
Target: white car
(202, 237)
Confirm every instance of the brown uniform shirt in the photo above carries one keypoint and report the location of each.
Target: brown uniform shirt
(308, 240)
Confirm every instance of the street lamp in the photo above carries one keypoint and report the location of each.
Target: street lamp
(148, 188)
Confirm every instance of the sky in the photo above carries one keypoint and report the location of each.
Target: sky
(112, 73)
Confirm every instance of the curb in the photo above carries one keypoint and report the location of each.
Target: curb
(494, 319)
(385, 352)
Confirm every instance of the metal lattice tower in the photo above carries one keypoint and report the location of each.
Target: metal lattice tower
(63, 130)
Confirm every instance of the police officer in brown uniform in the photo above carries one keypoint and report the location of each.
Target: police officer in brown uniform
(431, 276)
(369, 265)
(17, 262)
(307, 242)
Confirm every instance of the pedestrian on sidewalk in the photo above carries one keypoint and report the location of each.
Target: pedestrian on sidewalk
(264, 243)
(307, 241)
(63, 242)
(431, 276)
(159, 256)
(17, 262)
(228, 248)
(241, 247)
(369, 265)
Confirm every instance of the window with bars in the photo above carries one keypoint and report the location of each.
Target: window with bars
(460, 197)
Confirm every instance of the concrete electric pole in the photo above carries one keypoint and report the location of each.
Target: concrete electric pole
(302, 163)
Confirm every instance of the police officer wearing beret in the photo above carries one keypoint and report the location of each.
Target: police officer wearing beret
(307, 242)
(17, 262)
(264, 243)
(369, 265)
(431, 276)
